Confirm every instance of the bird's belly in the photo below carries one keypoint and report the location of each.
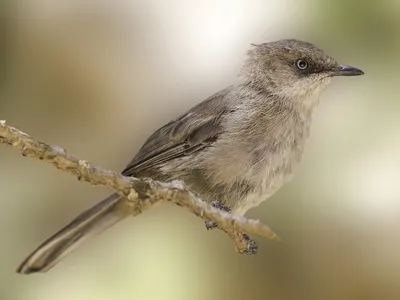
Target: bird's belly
(239, 183)
(259, 195)
(273, 173)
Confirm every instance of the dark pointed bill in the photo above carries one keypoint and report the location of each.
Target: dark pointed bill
(344, 70)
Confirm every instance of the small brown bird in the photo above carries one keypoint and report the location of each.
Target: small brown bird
(237, 147)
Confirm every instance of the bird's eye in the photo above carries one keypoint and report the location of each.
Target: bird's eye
(302, 64)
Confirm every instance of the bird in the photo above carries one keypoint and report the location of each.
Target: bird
(237, 147)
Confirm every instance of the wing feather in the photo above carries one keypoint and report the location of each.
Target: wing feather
(194, 130)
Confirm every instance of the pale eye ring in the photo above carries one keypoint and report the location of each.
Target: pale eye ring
(301, 64)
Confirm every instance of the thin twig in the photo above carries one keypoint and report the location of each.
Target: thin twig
(141, 194)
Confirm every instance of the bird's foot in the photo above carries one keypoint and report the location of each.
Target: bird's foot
(221, 206)
(252, 247)
(244, 243)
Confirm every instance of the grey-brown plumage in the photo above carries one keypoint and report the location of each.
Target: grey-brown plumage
(238, 147)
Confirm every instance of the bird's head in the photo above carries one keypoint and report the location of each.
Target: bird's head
(292, 69)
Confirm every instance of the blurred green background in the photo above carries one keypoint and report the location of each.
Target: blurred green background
(98, 77)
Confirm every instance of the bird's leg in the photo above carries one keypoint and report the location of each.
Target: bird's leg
(221, 206)
(244, 243)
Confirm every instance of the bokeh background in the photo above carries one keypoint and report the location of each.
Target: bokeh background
(98, 77)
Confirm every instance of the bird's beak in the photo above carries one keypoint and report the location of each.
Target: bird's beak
(343, 70)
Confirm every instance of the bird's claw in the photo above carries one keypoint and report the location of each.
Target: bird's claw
(210, 225)
(252, 247)
(218, 205)
(221, 206)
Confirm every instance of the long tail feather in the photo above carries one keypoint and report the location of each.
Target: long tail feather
(89, 223)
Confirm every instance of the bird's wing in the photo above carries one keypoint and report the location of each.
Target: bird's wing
(194, 130)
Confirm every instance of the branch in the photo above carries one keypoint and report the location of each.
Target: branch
(140, 194)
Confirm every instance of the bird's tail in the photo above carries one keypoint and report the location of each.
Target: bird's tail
(89, 223)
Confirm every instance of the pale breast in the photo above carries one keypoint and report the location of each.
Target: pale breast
(278, 170)
(274, 166)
